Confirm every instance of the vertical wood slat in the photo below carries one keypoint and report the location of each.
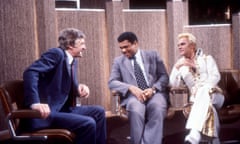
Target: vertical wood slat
(236, 40)
(150, 28)
(216, 41)
(93, 66)
(17, 41)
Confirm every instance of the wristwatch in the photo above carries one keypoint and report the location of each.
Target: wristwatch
(154, 90)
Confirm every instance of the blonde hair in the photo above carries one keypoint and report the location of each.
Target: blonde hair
(189, 36)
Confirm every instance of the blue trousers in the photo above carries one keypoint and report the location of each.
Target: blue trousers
(87, 122)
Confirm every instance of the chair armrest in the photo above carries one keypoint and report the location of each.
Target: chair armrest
(229, 113)
(116, 93)
(22, 114)
(26, 113)
(179, 89)
(178, 97)
(121, 111)
(234, 109)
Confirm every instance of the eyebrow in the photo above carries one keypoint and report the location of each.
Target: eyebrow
(126, 46)
(182, 43)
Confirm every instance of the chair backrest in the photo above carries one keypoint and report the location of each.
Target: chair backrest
(14, 93)
(11, 97)
(4, 132)
(3, 111)
(229, 85)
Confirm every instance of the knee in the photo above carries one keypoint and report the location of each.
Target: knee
(136, 106)
(100, 111)
(157, 104)
(156, 107)
(85, 130)
(91, 125)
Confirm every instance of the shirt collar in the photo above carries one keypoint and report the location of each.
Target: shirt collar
(138, 54)
(69, 56)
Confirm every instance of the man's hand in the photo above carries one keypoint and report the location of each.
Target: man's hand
(148, 93)
(141, 95)
(83, 90)
(185, 62)
(42, 108)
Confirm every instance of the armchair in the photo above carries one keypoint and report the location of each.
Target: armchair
(11, 104)
(229, 114)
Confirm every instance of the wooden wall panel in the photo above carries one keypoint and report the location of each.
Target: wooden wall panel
(215, 40)
(177, 18)
(236, 40)
(17, 37)
(150, 28)
(93, 66)
(46, 24)
(27, 28)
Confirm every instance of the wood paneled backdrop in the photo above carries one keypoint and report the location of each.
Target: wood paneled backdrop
(30, 27)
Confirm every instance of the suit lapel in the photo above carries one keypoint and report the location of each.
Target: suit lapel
(145, 62)
(128, 64)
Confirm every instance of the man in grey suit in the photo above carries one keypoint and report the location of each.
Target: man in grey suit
(146, 106)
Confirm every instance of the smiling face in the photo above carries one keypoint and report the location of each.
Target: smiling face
(128, 49)
(186, 47)
(78, 48)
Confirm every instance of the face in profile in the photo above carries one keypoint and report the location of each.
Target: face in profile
(127, 48)
(78, 48)
(185, 47)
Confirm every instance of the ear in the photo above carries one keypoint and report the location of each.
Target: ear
(135, 42)
(69, 47)
(193, 46)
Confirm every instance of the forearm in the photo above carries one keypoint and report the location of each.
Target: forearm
(31, 95)
(119, 86)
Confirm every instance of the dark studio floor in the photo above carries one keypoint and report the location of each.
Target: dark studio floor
(174, 131)
(118, 130)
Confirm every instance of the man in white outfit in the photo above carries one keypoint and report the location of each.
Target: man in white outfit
(199, 72)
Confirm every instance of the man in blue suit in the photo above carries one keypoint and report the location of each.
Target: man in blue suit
(145, 98)
(51, 87)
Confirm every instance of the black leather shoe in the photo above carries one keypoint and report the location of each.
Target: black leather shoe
(187, 142)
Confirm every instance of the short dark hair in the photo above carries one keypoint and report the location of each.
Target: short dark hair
(130, 36)
(68, 36)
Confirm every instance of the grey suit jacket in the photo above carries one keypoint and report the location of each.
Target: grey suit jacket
(122, 74)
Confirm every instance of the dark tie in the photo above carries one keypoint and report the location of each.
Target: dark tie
(142, 84)
(72, 69)
(71, 93)
(70, 101)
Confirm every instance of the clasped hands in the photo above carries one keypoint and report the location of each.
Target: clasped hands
(185, 62)
(44, 108)
(141, 95)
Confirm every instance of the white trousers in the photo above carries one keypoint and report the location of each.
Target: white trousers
(199, 110)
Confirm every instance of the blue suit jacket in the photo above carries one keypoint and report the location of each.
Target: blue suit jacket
(48, 80)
